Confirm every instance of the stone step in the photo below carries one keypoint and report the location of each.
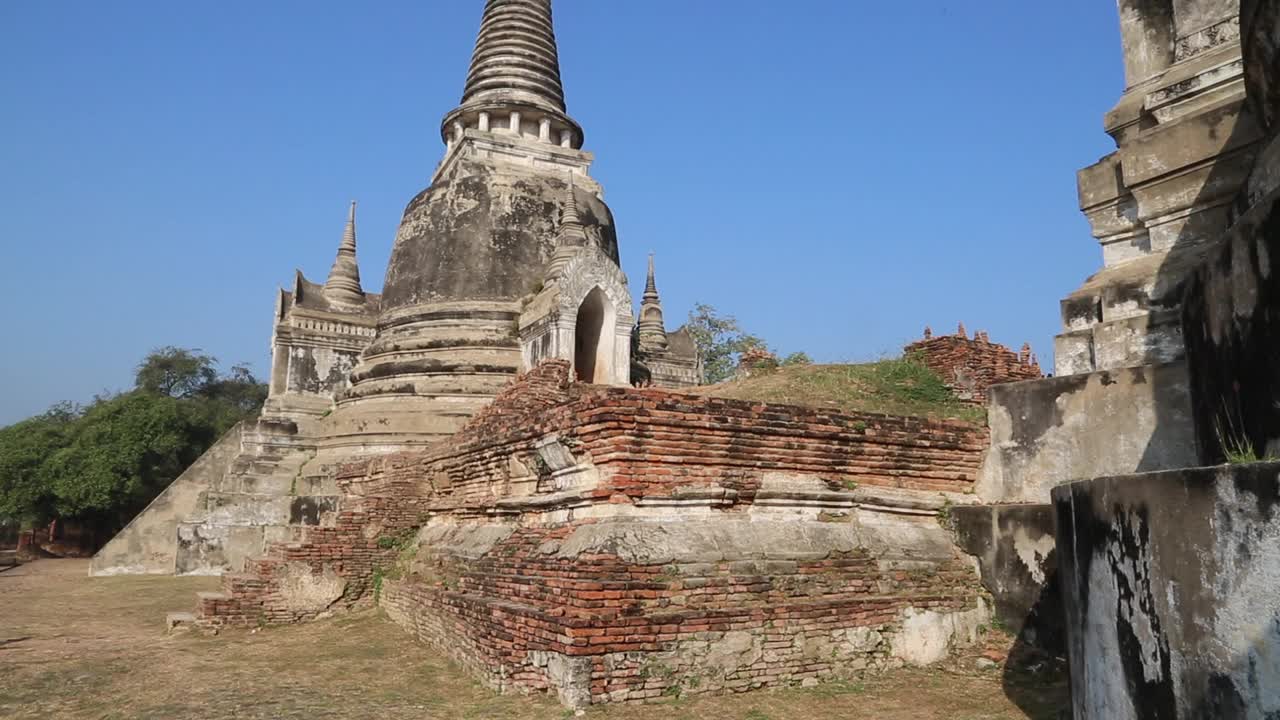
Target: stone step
(176, 621)
(262, 566)
(277, 551)
(235, 583)
(258, 463)
(246, 509)
(282, 483)
(317, 485)
(211, 596)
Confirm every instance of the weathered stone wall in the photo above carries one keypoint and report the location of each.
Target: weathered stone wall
(626, 611)
(1231, 327)
(315, 344)
(969, 366)
(147, 544)
(1170, 584)
(668, 544)
(1051, 431)
(328, 568)
(1185, 140)
(615, 544)
(1233, 337)
(1014, 545)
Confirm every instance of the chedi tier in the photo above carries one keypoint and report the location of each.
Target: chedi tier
(508, 258)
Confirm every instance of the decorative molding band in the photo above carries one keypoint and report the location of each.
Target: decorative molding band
(1207, 39)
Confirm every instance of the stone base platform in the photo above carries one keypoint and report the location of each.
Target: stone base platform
(611, 544)
(626, 610)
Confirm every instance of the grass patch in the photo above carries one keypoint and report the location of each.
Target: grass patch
(1237, 446)
(900, 386)
(85, 648)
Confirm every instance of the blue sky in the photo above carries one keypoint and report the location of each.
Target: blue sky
(835, 173)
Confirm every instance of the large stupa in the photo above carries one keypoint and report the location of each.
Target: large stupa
(508, 258)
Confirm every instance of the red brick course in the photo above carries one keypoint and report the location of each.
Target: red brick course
(497, 614)
(519, 614)
(971, 366)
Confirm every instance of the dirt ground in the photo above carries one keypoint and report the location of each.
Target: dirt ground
(76, 647)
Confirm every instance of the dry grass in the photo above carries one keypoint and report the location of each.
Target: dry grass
(891, 387)
(74, 647)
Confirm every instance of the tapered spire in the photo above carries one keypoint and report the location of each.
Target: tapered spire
(650, 283)
(652, 329)
(343, 285)
(570, 236)
(516, 57)
(515, 74)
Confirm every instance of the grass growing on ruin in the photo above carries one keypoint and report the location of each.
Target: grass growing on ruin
(75, 647)
(898, 386)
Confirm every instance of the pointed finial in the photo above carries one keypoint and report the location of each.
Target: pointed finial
(569, 216)
(962, 332)
(651, 328)
(651, 283)
(928, 333)
(343, 285)
(349, 234)
(570, 236)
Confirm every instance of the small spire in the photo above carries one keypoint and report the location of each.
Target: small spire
(515, 68)
(650, 284)
(928, 333)
(962, 332)
(651, 328)
(343, 285)
(570, 236)
(569, 216)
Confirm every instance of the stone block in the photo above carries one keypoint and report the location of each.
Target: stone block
(210, 549)
(1169, 583)
(1051, 431)
(1015, 549)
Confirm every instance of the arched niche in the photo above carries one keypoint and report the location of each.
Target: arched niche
(585, 317)
(593, 351)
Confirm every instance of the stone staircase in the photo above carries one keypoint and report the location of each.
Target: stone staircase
(264, 497)
(320, 568)
(244, 597)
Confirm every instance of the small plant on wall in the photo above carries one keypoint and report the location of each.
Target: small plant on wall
(1236, 445)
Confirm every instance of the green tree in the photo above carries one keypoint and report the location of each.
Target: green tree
(798, 358)
(176, 372)
(122, 452)
(720, 341)
(103, 463)
(232, 398)
(26, 496)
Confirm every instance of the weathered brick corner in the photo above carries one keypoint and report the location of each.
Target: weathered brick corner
(612, 544)
(970, 366)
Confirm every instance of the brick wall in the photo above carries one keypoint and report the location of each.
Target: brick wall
(626, 631)
(969, 366)
(612, 544)
(330, 567)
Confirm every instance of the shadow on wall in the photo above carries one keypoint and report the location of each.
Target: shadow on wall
(1035, 676)
(1197, 243)
(1171, 579)
(1231, 314)
(1014, 547)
